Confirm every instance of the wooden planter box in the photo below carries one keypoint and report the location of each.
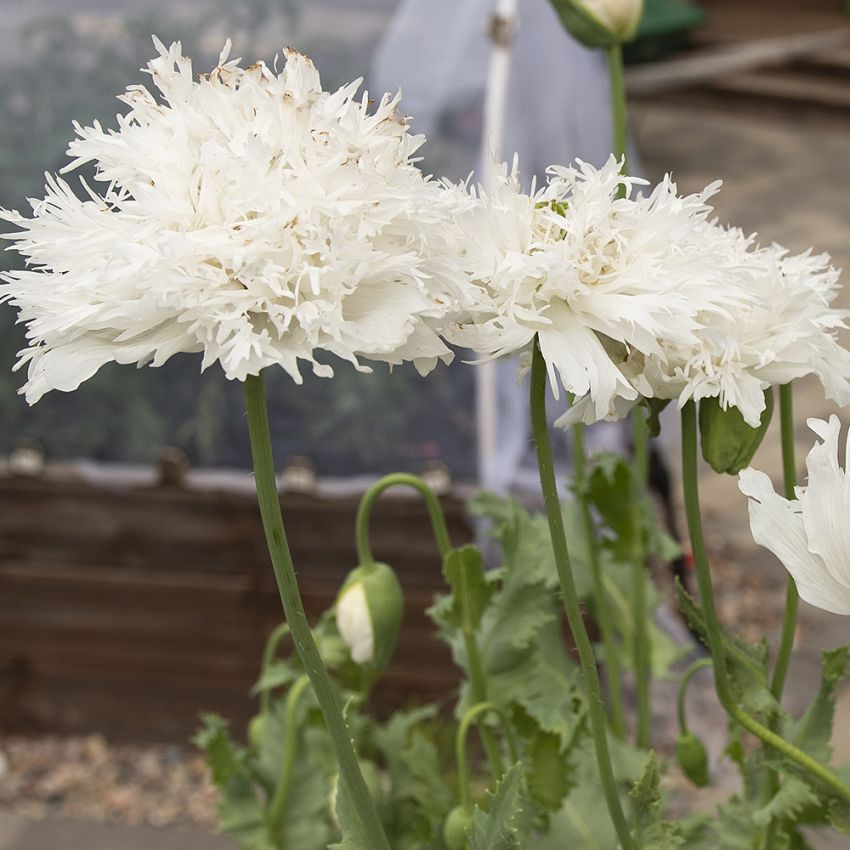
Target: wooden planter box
(130, 609)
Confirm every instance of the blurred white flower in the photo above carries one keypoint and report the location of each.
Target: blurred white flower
(248, 215)
(810, 536)
(595, 276)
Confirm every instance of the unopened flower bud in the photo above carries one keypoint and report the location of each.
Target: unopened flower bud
(369, 609)
(728, 442)
(457, 827)
(600, 23)
(692, 758)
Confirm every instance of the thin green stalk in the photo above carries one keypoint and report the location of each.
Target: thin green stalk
(618, 103)
(478, 685)
(269, 653)
(687, 676)
(713, 630)
(590, 676)
(471, 716)
(372, 832)
(277, 807)
(641, 659)
(601, 607)
(364, 512)
(792, 598)
(643, 672)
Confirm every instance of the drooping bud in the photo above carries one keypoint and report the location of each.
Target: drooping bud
(457, 827)
(728, 442)
(369, 609)
(257, 730)
(600, 23)
(692, 758)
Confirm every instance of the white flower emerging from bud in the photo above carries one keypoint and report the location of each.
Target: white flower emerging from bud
(600, 23)
(810, 536)
(369, 609)
(355, 624)
(621, 17)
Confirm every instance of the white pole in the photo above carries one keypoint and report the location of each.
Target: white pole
(502, 27)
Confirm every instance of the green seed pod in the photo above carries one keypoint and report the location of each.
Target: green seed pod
(369, 609)
(600, 23)
(692, 758)
(728, 443)
(457, 828)
(257, 731)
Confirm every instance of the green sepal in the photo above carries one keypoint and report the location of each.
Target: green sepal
(728, 442)
(385, 601)
(692, 758)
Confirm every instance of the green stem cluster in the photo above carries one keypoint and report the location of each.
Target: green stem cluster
(570, 598)
(712, 625)
(372, 832)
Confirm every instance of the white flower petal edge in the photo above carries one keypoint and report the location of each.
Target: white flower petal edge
(355, 623)
(809, 536)
(247, 215)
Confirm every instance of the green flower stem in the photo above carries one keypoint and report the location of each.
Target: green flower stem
(277, 807)
(713, 630)
(792, 598)
(471, 716)
(364, 512)
(641, 658)
(372, 832)
(687, 676)
(601, 607)
(643, 672)
(269, 653)
(478, 685)
(595, 708)
(618, 103)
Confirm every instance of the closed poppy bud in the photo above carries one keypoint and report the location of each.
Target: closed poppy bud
(369, 609)
(457, 828)
(600, 23)
(692, 758)
(257, 731)
(728, 442)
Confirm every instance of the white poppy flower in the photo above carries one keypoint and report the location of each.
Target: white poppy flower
(621, 17)
(595, 276)
(248, 215)
(784, 327)
(810, 536)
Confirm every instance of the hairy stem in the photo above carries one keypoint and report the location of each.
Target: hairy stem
(372, 832)
(590, 676)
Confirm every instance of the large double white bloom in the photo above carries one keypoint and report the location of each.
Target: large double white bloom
(597, 277)
(810, 536)
(786, 328)
(248, 215)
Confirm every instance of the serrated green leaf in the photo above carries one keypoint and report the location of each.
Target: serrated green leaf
(652, 832)
(224, 757)
(463, 569)
(734, 827)
(812, 732)
(747, 663)
(496, 829)
(794, 795)
(548, 771)
(276, 674)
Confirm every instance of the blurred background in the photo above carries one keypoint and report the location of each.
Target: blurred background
(134, 587)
